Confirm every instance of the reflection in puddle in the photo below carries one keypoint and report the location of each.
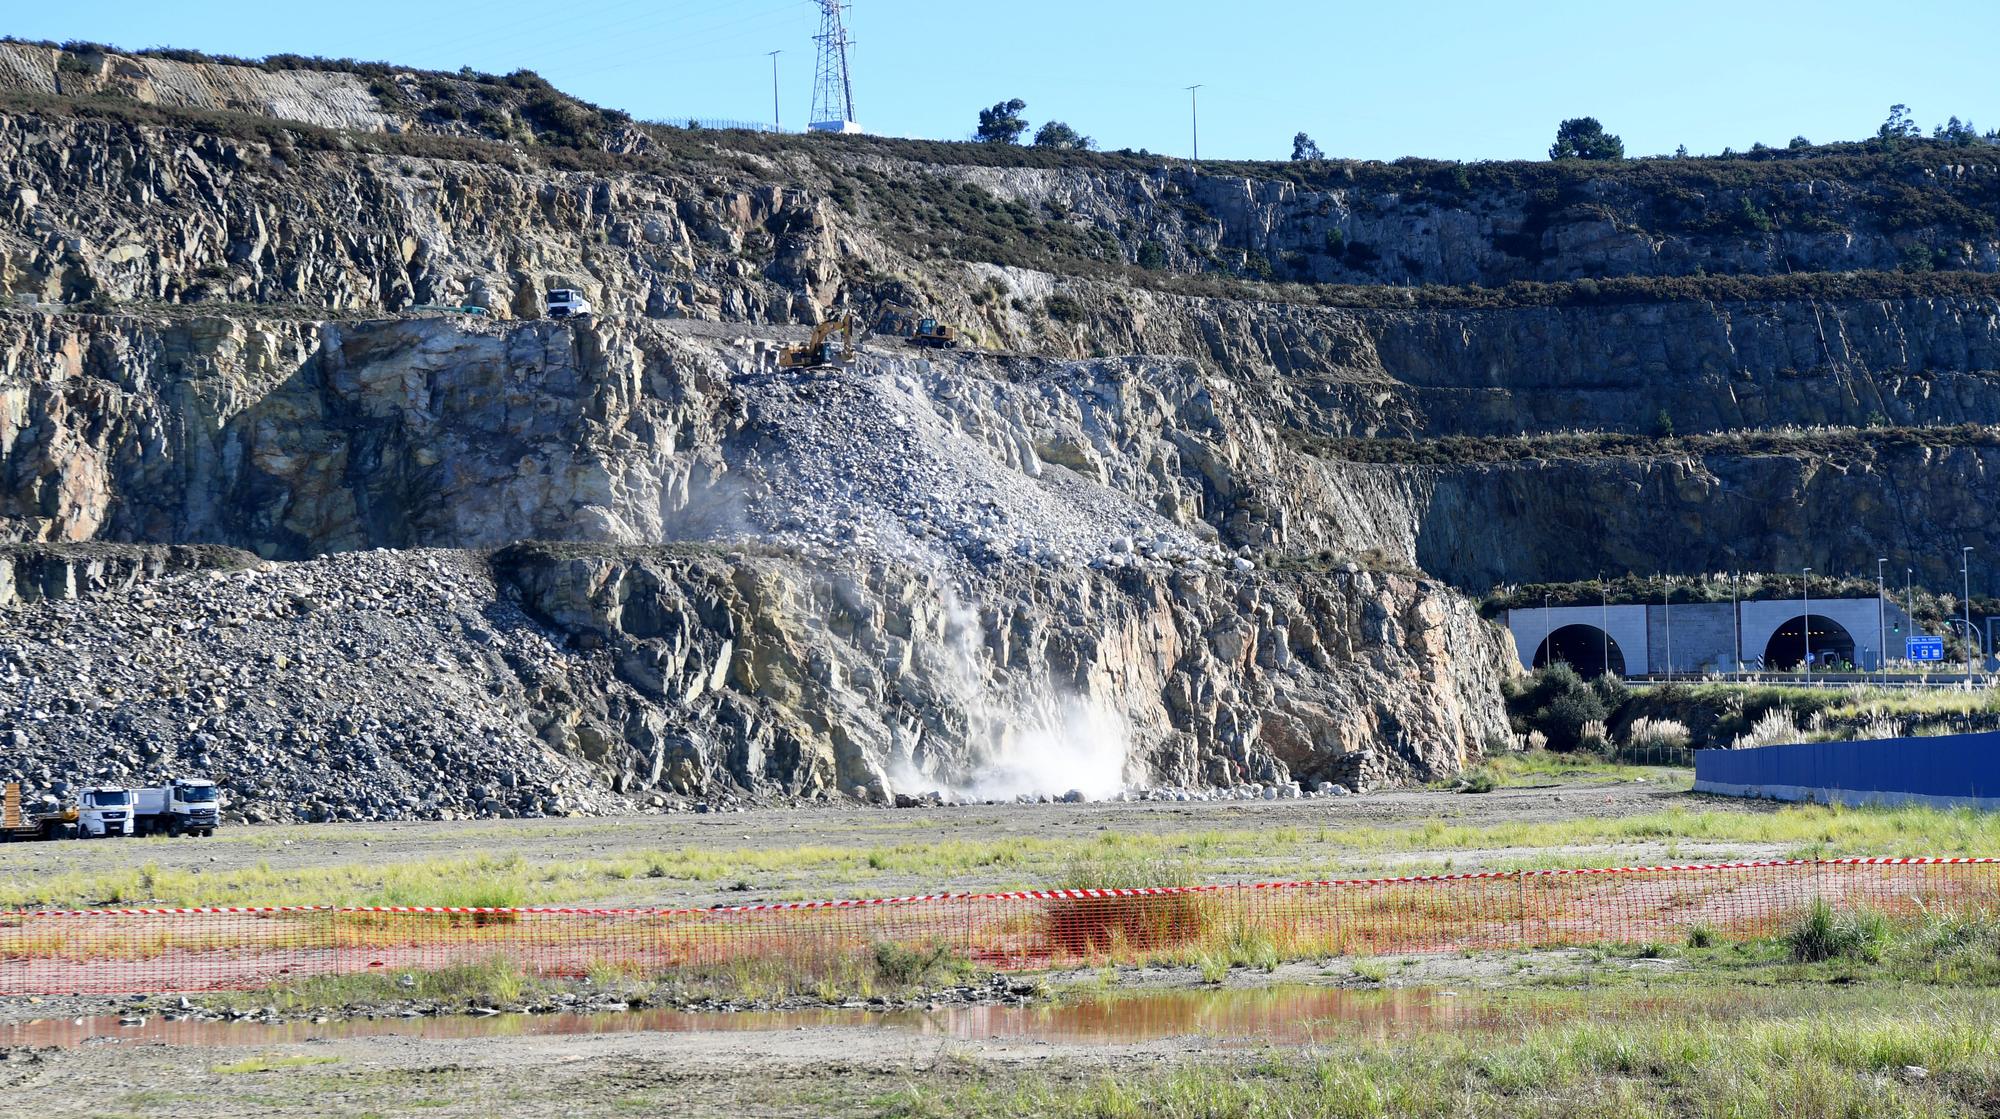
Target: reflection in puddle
(1286, 1015)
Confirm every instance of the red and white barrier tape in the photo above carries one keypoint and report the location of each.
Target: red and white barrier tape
(1018, 895)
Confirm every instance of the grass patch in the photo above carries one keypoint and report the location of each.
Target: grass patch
(1023, 862)
(1822, 935)
(1374, 971)
(1822, 946)
(1543, 767)
(494, 982)
(824, 972)
(1120, 927)
(269, 1064)
(921, 966)
(1800, 1054)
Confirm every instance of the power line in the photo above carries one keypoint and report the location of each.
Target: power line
(538, 48)
(701, 42)
(446, 16)
(704, 46)
(504, 37)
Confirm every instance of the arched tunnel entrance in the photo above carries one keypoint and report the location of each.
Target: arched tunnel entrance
(1584, 648)
(1831, 643)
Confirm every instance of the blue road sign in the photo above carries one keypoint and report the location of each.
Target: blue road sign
(1924, 648)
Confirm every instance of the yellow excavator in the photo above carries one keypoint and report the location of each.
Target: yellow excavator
(819, 352)
(930, 332)
(921, 330)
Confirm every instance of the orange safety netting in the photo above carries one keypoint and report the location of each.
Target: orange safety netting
(134, 951)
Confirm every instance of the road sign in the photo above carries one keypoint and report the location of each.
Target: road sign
(1924, 648)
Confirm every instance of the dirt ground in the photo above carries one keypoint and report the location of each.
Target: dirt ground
(792, 1064)
(539, 841)
(621, 1068)
(805, 1072)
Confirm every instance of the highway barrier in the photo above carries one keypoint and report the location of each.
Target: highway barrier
(143, 951)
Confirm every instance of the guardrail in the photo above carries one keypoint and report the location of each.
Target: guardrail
(1931, 680)
(135, 951)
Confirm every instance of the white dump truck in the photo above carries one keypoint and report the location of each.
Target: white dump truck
(183, 806)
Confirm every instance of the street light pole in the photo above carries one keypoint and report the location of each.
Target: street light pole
(1805, 623)
(1667, 609)
(1881, 624)
(1194, 118)
(1910, 604)
(1604, 620)
(1548, 634)
(1736, 624)
(777, 120)
(1972, 639)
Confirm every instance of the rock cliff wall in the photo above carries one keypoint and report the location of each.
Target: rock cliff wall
(293, 309)
(990, 575)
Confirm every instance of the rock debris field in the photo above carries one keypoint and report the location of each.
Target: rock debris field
(943, 463)
(368, 685)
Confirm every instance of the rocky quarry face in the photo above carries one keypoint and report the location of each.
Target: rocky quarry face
(1198, 507)
(924, 573)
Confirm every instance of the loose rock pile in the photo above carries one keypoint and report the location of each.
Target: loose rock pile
(942, 463)
(373, 685)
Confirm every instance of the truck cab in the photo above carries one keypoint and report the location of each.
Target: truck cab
(193, 806)
(104, 811)
(185, 805)
(566, 303)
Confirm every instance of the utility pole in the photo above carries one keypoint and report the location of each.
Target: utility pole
(1604, 620)
(1667, 608)
(1881, 624)
(1548, 635)
(1910, 601)
(1736, 627)
(1805, 623)
(777, 119)
(1971, 638)
(1194, 119)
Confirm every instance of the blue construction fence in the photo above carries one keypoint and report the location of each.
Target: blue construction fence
(1947, 771)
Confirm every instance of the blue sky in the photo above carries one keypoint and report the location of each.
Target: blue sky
(1379, 80)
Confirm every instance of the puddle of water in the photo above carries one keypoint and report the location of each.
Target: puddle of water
(1286, 1015)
